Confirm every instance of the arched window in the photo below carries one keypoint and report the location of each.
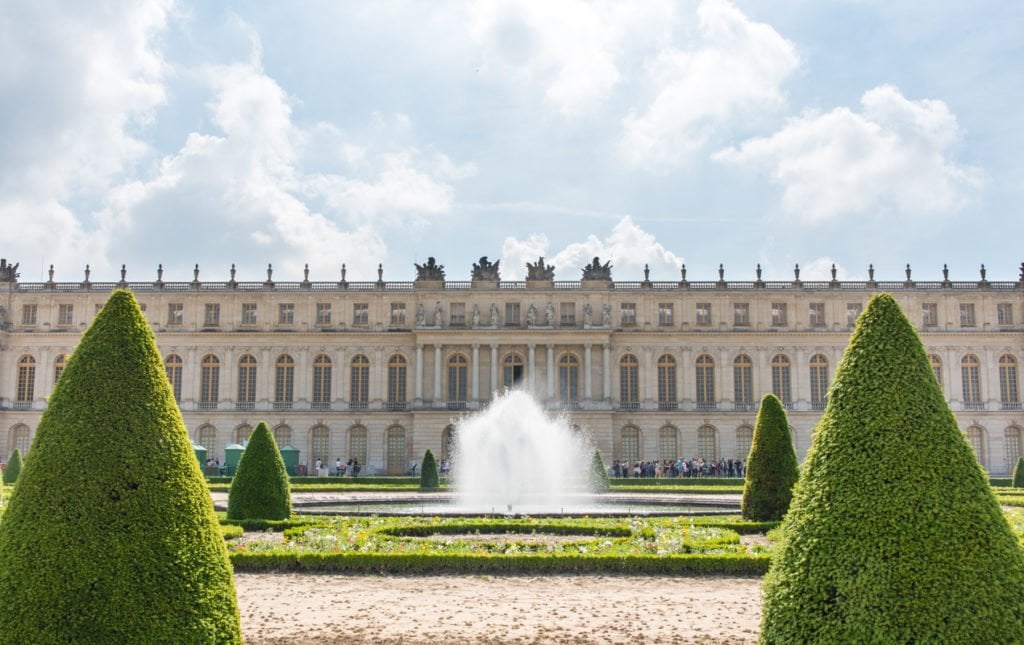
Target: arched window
(969, 370)
(26, 381)
(744, 437)
(396, 450)
(283, 435)
(448, 443)
(819, 382)
(172, 364)
(936, 362)
(320, 444)
(206, 436)
(976, 437)
(284, 382)
(569, 380)
(629, 382)
(780, 379)
(246, 382)
(705, 380)
(322, 382)
(511, 371)
(743, 382)
(397, 370)
(21, 438)
(1009, 392)
(630, 444)
(360, 391)
(668, 444)
(242, 433)
(707, 443)
(58, 367)
(667, 398)
(1012, 437)
(458, 368)
(209, 382)
(357, 444)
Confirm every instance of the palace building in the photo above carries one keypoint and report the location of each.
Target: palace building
(381, 371)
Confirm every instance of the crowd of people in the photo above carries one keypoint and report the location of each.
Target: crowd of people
(696, 467)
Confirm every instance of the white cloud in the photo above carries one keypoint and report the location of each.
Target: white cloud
(821, 269)
(735, 73)
(895, 155)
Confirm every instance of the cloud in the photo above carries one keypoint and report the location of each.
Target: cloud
(892, 156)
(734, 74)
(821, 269)
(628, 247)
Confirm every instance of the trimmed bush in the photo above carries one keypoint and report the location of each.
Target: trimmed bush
(429, 479)
(13, 467)
(260, 487)
(771, 466)
(599, 482)
(1018, 473)
(110, 535)
(893, 535)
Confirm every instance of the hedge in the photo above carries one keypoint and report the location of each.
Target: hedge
(260, 488)
(771, 466)
(429, 478)
(13, 468)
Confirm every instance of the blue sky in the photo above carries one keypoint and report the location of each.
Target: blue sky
(648, 132)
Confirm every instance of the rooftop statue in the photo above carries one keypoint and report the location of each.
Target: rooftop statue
(597, 271)
(430, 271)
(8, 272)
(486, 270)
(539, 270)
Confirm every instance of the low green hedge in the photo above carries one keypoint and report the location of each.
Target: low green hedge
(265, 525)
(231, 532)
(490, 526)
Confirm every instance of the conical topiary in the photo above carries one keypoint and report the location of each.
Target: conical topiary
(771, 465)
(598, 474)
(110, 535)
(893, 535)
(260, 488)
(429, 478)
(1018, 473)
(13, 467)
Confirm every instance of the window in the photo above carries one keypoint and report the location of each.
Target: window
(744, 437)
(1009, 392)
(357, 444)
(26, 379)
(976, 437)
(1013, 441)
(743, 382)
(175, 313)
(667, 399)
(819, 382)
(511, 371)
(569, 380)
(172, 364)
(969, 372)
(66, 314)
(936, 362)
(512, 314)
(58, 368)
(458, 367)
(567, 314)
(967, 315)
(286, 313)
(629, 387)
(705, 382)
(930, 314)
(668, 444)
(397, 369)
(1004, 313)
(98, 308)
(249, 313)
(361, 314)
(628, 311)
(396, 450)
(323, 313)
(246, 383)
(816, 314)
(320, 444)
(282, 436)
(360, 387)
(703, 313)
(209, 382)
(28, 314)
(21, 439)
(284, 382)
(448, 443)
(707, 443)
(211, 314)
(741, 314)
(206, 436)
(630, 444)
(666, 314)
(397, 313)
(853, 310)
(780, 379)
(457, 314)
(322, 382)
(779, 314)
(242, 433)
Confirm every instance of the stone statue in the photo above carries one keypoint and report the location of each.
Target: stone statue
(597, 271)
(476, 315)
(588, 315)
(494, 314)
(421, 315)
(606, 314)
(437, 314)
(486, 270)
(549, 314)
(430, 271)
(539, 270)
(531, 316)
(9, 272)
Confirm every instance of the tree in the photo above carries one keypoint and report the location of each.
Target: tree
(598, 474)
(771, 466)
(260, 488)
(1018, 473)
(110, 535)
(894, 534)
(13, 467)
(429, 479)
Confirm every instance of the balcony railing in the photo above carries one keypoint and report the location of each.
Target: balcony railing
(245, 405)
(456, 405)
(818, 405)
(707, 406)
(396, 405)
(282, 405)
(745, 406)
(1010, 405)
(207, 405)
(629, 405)
(974, 405)
(668, 406)
(320, 405)
(357, 405)
(21, 405)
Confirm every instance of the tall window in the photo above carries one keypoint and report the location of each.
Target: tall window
(28, 314)
(511, 371)
(206, 436)
(209, 382)
(780, 379)
(630, 444)
(819, 382)
(172, 364)
(743, 382)
(779, 314)
(629, 386)
(361, 314)
(397, 313)
(457, 314)
(703, 313)
(1012, 437)
(967, 315)
(666, 314)
(175, 313)
(357, 444)
(65, 315)
(853, 310)
(816, 317)
(930, 314)
(396, 450)
(246, 383)
(286, 313)
(21, 438)
(1009, 392)
(741, 314)
(707, 443)
(360, 391)
(567, 314)
(397, 369)
(211, 314)
(936, 362)
(969, 374)
(705, 380)
(667, 398)
(242, 433)
(668, 444)
(58, 368)
(744, 437)
(512, 314)
(320, 444)
(283, 436)
(26, 380)
(249, 313)
(569, 380)
(322, 366)
(284, 382)
(458, 367)
(976, 437)
(1004, 313)
(323, 313)
(628, 314)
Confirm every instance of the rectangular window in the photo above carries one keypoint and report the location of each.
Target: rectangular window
(323, 313)
(28, 315)
(286, 313)
(741, 314)
(967, 315)
(817, 314)
(512, 314)
(779, 314)
(397, 313)
(666, 314)
(853, 310)
(175, 313)
(361, 314)
(99, 306)
(567, 314)
(1004, 312)
(930, 314)
(457, 314)
(628, 310)
(211, 318)
(65, 314)
(249, 313)
(703, 313)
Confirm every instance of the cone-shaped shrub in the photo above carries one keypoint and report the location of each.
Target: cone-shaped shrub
(260, 489)
(429, 479)
(1018, 473)
(771, 465)
(598, 474)
(893, 535)
(110, 535)
(13, 467)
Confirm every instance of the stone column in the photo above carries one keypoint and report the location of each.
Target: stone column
(607, 372)
(228, 376)
(531, 366)
(437, 374)
(303, 367)
(190, 387)
(419, 375)
(475, 382)
(267, 380)
(801, 374)
(587, 388)
(551, 371)
(724, 378)
(340, 380)
(494, 368)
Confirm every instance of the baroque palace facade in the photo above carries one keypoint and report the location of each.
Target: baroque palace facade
(382, 371)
